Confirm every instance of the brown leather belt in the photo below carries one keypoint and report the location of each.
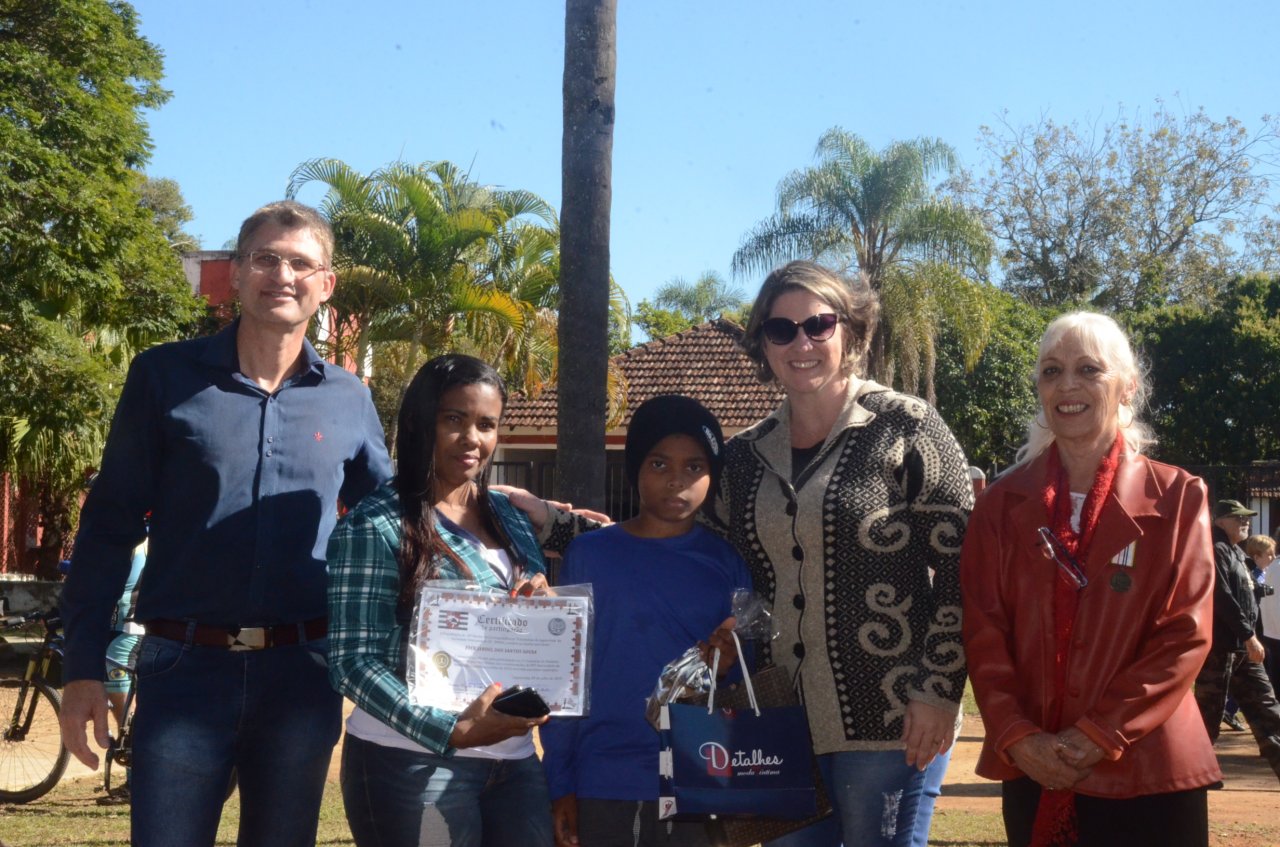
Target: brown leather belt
(240, 638)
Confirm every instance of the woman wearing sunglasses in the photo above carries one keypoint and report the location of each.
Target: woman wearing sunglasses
(1088, 577)
(848, 504)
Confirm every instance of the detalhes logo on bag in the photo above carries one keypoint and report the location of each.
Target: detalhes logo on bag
(717, 759)
(742, 762)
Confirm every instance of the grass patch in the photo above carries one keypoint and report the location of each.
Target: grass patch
(70, 815)
(966, 829)
(967, 704)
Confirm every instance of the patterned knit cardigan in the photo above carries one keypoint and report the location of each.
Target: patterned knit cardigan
(846, 555)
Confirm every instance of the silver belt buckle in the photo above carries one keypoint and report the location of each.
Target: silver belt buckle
(248, 638)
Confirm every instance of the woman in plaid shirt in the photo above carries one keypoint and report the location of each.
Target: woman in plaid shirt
(414, 774)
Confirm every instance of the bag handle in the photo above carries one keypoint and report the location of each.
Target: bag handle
(746, 678)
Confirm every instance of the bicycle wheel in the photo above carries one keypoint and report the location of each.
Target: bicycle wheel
(32, 757)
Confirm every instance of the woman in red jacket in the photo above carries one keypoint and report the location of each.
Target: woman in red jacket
(1087, 573)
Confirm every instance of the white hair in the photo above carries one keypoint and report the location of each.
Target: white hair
(1102, 338)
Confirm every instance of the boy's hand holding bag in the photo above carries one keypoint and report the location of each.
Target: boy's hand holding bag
(755, 761)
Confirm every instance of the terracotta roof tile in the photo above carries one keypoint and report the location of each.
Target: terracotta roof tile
(703, 362)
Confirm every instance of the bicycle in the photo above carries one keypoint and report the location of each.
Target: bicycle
(119, 755)
(32, 755)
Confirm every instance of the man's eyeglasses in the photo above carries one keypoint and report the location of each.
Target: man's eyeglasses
(264, 261)
(1069, 566)
(782, 331)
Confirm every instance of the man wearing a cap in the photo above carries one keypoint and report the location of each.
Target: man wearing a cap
(1234, 664)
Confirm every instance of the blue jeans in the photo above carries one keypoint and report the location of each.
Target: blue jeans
(201, 711)
(878, 800)
(402, 798)
(933, 776)
(627, 823)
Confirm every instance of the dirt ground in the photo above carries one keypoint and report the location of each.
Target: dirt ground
(1245, 813)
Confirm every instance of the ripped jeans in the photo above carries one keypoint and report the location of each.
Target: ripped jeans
(879, 801)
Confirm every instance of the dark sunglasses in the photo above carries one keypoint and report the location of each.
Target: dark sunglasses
(1066, 562)
(817, 327)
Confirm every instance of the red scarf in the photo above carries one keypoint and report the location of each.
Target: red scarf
(1055, 824)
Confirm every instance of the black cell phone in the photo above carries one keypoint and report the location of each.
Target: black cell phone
(521, 702)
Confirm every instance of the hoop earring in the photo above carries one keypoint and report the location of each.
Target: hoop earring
(1040, 420)
(1120, 415)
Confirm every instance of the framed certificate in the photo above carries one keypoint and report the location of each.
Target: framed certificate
(461, 641)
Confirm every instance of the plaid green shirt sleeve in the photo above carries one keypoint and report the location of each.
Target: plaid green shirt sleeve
(365, 641)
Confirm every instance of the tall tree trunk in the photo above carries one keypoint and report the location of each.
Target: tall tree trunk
(26, 523)
(879, 362)
(930, 366)
(590, 39)
(56, 505)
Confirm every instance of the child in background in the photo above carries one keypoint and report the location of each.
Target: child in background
(1261, 550)
(661, 584)
(122, 654)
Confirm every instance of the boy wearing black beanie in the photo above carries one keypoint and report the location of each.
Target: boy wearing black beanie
(661, 583)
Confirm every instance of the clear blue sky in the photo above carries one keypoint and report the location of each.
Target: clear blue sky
(716, 99)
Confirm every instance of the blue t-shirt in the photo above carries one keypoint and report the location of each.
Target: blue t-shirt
(655, 598)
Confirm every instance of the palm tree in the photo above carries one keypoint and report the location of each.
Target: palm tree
(411, 249)
(48, 447)
(523, 261)
(705, 299)
(922, 297)
(586, 166)
(874, 211)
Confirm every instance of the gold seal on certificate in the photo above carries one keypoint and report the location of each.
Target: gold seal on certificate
(461, 641)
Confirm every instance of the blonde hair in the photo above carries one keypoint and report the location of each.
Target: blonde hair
(854, 302)
(1255, 544)
(288, 214)
(1103, 339)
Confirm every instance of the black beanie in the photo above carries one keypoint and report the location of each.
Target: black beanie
(673, 414)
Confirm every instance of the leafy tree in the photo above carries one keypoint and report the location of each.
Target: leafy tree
(619, 320)
(1215, 387)
(876, 211)
(739, 315)
(659, 323)
(1132, 213)
(590, 66)
(89, 278)
(678, 305)
(163, 198)
(989, 404)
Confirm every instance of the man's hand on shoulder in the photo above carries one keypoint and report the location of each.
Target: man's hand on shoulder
(84, 701)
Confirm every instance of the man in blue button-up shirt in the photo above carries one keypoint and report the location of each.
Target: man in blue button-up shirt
(240, 446)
